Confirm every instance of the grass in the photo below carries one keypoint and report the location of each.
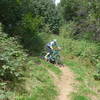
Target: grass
(52, 67)
(39, 84)
(48, 65)
(41, 92)
(75, 54)
(84, 76)
(78, 55)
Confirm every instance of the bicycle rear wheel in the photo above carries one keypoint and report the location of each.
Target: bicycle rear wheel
(43, 55)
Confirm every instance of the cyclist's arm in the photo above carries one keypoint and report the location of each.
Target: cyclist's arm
(51, 47)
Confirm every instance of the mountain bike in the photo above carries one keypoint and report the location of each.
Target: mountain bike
(53, 57)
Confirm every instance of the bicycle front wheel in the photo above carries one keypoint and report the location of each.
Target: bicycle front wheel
(57, 59)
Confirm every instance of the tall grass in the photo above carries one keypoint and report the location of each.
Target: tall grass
(39, 83)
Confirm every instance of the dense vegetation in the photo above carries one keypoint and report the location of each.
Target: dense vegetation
(25, 27)
(22, 74)
(85, 16)
(19, 13)
(11, 55)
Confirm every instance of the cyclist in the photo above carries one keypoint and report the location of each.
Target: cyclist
(50, 47)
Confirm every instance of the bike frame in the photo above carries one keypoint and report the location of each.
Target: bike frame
(53, 56)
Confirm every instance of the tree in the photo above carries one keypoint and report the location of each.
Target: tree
(85, 14)
(13, 11)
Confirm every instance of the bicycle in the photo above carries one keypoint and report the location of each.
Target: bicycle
(53, 57)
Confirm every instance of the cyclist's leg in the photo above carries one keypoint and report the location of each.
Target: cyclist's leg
(48, 52)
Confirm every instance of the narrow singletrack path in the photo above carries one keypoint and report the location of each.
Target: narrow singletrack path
(65, 84)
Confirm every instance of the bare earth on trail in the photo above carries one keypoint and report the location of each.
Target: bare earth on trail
(65, 83)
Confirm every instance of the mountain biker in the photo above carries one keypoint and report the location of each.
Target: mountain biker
(50, 47)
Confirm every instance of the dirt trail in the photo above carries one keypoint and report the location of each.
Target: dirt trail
(65, 84)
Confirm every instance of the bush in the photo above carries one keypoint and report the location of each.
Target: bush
(13, 12)
(12, 58)
(97, 74)
(86, 16)
(68, 30)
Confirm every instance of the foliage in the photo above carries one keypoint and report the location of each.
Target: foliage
(85, 15)
(68, 9)
(13, 12)
(12, 58)
(30, 31)
(97, 74)
(16, 65)
(30, 24)
(10, 13)
(28, 19)
(82, 49)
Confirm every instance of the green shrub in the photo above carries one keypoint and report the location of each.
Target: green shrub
(12, 58)
(31, 24)
(69, 29)
(85, 14)
(97, 74)
(14, 11)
